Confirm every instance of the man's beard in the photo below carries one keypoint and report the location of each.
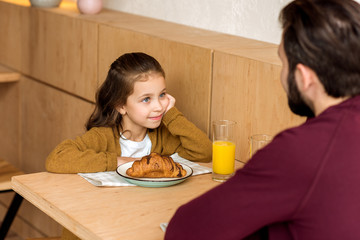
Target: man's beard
(295, 101)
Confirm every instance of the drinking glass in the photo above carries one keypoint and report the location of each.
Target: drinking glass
(223, 150)
(258, 141)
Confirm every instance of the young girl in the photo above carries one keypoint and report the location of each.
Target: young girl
(133, 116)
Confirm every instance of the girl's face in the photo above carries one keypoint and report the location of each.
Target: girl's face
(146, 106)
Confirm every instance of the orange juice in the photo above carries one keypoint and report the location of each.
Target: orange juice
(223, 157)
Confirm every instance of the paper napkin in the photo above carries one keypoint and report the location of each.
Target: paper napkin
(112, 179)
(163, 226)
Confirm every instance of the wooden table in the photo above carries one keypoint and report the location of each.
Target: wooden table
(108, 212)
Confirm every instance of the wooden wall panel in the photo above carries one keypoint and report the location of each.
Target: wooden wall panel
(187, 68)
(10, 122)
(11, 25)
(61, 51)
(249, 92)
(58, 49)
(48, 116)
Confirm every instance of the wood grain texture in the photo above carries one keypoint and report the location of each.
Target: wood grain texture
(187, 68)
(40, 224)
(7, 171)
(11, 28)
(132, 213)
(249, 92)
(59, 49)
(48, 116)
(66, 55)
(10, 124)
(62, 51)
(10, 111)
(253, 49)
(8, 75)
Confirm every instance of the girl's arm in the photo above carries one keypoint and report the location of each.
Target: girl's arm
(95, 151)
(185, 138)
(122, 160)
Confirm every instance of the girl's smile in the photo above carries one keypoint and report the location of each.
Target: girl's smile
(157, 118)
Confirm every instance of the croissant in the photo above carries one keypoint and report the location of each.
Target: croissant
(156, 166)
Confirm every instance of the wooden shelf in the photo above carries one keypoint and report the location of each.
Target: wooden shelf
(7, 75)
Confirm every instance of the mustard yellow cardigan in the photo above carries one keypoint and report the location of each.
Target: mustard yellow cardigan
(98, 148)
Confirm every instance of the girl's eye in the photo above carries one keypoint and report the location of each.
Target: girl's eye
(162, 95)
(146, 99)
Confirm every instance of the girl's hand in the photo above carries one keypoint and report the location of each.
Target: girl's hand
(122, 160)
(171, 102)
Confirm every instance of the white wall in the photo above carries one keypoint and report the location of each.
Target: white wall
(255, 19)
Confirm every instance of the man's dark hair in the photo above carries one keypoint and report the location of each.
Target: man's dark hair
(325, 36)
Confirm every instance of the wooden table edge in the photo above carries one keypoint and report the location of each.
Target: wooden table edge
(49, 209)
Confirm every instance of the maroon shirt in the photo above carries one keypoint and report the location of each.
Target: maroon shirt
(304, 185)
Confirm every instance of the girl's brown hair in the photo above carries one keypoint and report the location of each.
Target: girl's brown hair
(118, 85)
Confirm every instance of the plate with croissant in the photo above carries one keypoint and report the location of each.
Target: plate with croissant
(154, 170)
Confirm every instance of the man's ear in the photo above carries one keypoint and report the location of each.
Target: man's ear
(304, 76)
(121, 110)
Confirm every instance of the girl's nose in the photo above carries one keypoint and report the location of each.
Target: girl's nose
(157, 105)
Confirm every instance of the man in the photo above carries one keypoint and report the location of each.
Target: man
(305, 183)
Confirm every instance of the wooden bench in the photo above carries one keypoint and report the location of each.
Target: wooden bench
(7, 171)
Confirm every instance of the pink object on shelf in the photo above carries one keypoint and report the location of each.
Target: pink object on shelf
(89, 6)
